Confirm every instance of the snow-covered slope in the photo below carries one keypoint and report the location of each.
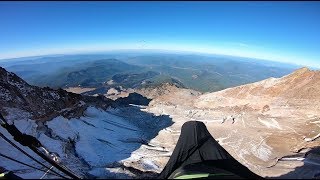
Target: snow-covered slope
(97, 144)
(101, 141)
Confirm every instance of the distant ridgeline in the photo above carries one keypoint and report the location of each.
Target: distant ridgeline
(202, 73)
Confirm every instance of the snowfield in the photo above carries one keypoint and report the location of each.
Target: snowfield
(100, 140)
(101, 136)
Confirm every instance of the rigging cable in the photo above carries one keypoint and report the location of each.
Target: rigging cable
(62, 168)
(25, 153)
(10, 158)
(46, 173)
(34, 144)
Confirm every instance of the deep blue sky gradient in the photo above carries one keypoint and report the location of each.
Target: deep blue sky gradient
(282, 31)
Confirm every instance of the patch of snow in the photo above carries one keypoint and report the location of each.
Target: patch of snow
(81, 103)
(93, 112)
(315, 122)
(54, 95)
(16, 114)
(269, 82)
(149, 165)
(271, 123)
(112, 173)
(62, 128)
(222, 139)
(313, 138)
(54, 146)
(261, 151)
(26, 126)
(110, 82)
(21, 85)
(311, 116)
(5, 95)
(101, 136)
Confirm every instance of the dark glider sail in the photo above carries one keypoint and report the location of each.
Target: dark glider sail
(197, 152)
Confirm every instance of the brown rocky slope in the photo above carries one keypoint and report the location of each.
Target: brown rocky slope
(262, 124)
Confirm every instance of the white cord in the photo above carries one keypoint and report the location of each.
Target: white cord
(46, 173)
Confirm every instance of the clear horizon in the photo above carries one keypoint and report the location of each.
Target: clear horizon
(286, 32)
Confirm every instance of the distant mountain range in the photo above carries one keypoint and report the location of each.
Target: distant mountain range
(137, 70)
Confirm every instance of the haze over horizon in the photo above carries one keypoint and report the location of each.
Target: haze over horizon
(278, 31)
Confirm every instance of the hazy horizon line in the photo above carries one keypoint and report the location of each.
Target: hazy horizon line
(152, 51)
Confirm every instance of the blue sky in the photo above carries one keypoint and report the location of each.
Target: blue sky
(281, 31)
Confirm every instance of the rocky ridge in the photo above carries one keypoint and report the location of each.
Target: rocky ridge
(43, 103)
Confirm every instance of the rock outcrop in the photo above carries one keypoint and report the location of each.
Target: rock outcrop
(43, 103)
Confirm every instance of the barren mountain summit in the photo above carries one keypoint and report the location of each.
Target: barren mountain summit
(298, 88)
